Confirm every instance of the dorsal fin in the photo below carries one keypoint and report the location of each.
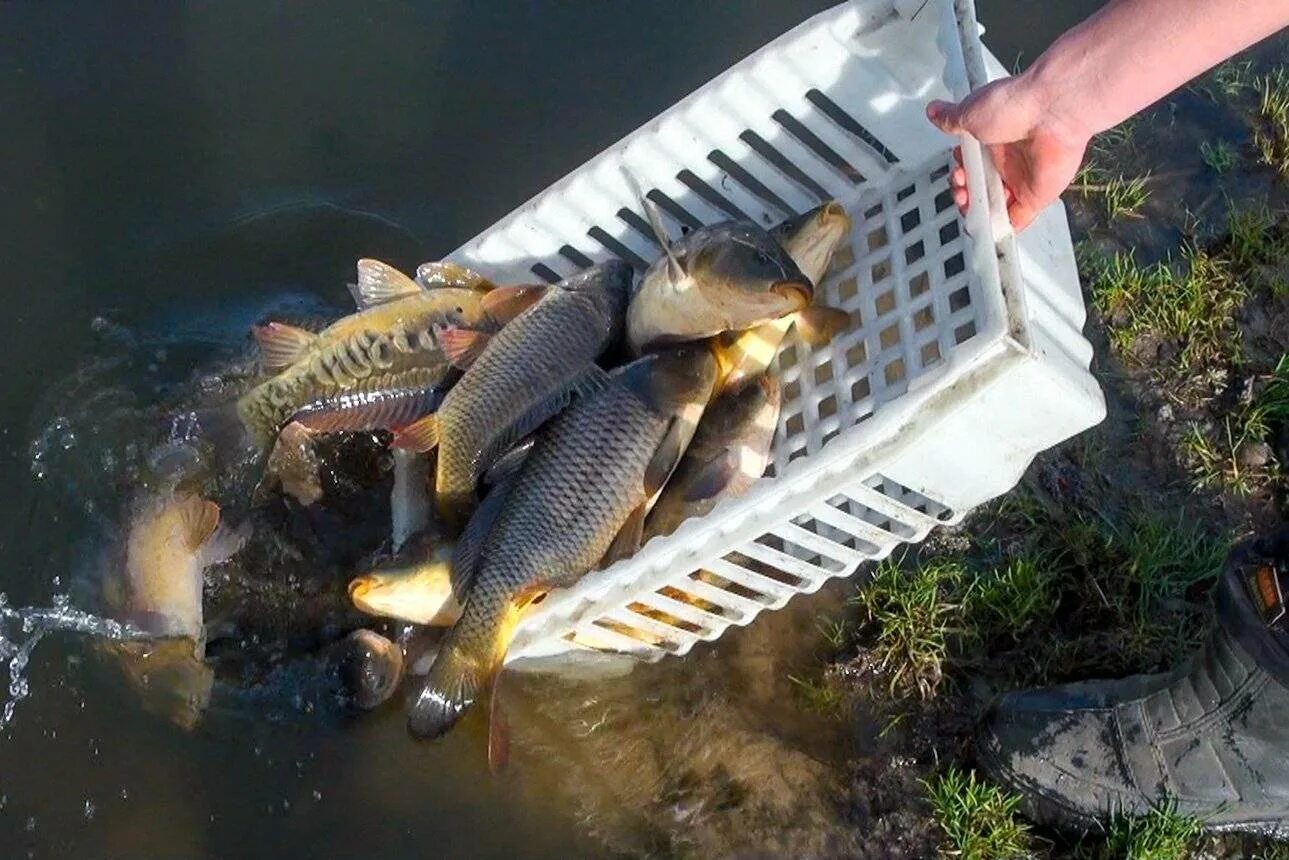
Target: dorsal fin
(440, 274)
(379, 283)
(281, 344)
(676, 270)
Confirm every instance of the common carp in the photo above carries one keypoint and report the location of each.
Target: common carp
(518, 379)
(155, 584)
(729, 452)
(812, 240)
(591, 475)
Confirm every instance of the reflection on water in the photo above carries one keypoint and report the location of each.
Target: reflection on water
(172, 176)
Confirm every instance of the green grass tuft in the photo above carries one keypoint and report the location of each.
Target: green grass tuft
(1236, 455)
(1271, 132)
(1192, 304)
(978, 819)
(913, 619)
(1218, 155)
(1162, 834)
(819, 695)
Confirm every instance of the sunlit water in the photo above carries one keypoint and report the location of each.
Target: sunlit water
(172, 176)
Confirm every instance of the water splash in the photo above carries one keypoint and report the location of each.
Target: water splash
(22, 629)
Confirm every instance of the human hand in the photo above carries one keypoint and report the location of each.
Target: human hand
(1036, 155)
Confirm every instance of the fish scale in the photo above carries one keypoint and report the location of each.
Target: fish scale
(522, 378)
(588, 472)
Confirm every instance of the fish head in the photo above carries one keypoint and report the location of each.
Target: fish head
(750, 410)
(607, 284)
(812, 237)
(414, 586)
(369, 667)
(741, 269)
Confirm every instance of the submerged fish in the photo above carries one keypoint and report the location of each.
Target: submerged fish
(811, 239)
(381, 367)
(519, 378)
(722, 277)
(590, 476)
(369, 667)
(729, 452)
(157, 586)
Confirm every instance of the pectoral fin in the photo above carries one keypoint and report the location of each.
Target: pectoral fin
(437, 275)
(379, 283)
(465, 558)
(200, 518)
(714, 478)
(421, 435)
(498, 729)
(628, 539)
(282, 344)
(667, 456)
(462, 346)
(818, 325)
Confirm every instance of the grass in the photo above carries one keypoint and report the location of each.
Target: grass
(979, 820)
(912, 617)
(1233, 77)
(1162, 834)
(1218, 155)
(1122, 196)
(819, 695)
(1191, 303)
(1271, 131)
(1236, 456)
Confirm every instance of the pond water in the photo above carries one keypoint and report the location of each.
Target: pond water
(173, 170)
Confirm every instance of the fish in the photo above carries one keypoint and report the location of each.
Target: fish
(414, 585)
(728, 276)
(381, 367)
(812, 240)
(369, 667)
(156, 585)
(517, 379)
(729, 452)
(589, 479)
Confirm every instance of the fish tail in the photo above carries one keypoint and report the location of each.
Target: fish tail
(454, 683)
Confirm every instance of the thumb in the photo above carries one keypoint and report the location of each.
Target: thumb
(946, 116)
(1021, 214)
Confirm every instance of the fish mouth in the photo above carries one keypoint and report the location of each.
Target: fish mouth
(798, 293)
(360, 589)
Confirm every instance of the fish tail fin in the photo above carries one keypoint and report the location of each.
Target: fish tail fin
(454, 683)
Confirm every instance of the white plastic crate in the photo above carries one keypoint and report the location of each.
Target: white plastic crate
(967, 359)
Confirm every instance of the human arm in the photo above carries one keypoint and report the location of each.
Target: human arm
(1126, 56)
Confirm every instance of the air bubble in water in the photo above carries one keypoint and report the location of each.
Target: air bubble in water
(31, 823)
(89, 810)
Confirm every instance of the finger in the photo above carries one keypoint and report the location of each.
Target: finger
(958, 179)
(962, 199)
(1021, 214)
(945, 116)
(957, 155)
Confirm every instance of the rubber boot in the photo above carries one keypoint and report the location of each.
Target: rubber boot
(1212, 736)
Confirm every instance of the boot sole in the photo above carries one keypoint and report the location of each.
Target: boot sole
(1051, 812)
